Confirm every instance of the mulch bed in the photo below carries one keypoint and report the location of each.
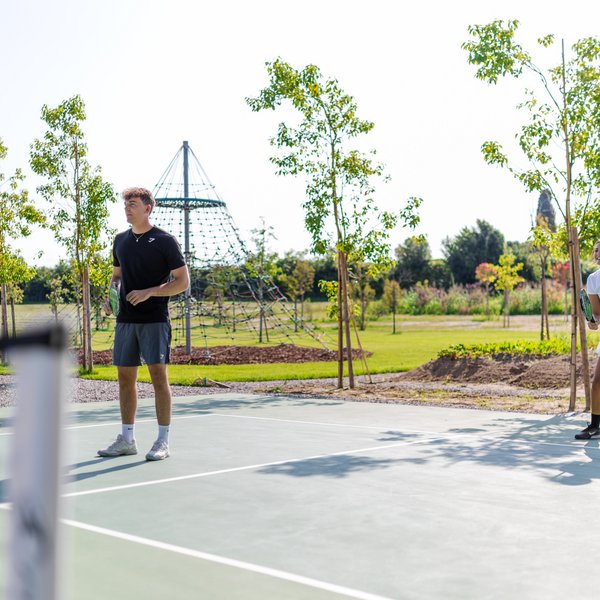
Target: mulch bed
(240, 355)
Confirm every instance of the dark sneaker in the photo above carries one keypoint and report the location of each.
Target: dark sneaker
(588, 433)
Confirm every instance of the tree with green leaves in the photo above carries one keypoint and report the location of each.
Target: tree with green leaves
(542, 233)
(297, 284)
(340, 209)
(78, 197)
(471, 247)
(391, 298)
(507, 278)
(262, 267)
(17, 216)
(362, 292)
(413, 261)
(486, 274)
(560, 140)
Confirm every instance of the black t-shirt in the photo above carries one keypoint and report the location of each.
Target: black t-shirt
(145, 263)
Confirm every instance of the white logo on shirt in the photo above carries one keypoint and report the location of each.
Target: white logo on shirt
(150, 240)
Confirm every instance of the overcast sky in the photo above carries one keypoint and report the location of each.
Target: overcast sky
(153, 74)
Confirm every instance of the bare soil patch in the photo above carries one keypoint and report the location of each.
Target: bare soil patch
(524, 371)
(240, 355)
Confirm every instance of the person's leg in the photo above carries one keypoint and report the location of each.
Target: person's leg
(128, 393)
(155, 340)
(593, 429)
(126, 357)
(162, 393)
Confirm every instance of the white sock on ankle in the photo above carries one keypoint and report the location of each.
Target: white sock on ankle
(163, 433)
(127, 432)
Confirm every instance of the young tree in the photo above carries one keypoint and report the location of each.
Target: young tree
(340, 210)
(486, 274)
(56, 296)
(361, 290)
(391, 298)
(561, 140)
(77, 195)
(297, 284)
(507, 279)
(542, 242)
(17, 215)
(560, 272)
(262, 267)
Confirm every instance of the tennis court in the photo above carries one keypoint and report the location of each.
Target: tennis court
(289, 498)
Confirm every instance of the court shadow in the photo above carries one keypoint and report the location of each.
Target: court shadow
(399, 436)
(329, 466)
(544, 446)
(112, 468)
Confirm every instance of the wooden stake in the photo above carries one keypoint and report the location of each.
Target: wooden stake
(577, 281)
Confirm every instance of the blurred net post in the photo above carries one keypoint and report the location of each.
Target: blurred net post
(35, 550)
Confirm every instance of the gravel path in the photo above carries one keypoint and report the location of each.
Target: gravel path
(86, 390)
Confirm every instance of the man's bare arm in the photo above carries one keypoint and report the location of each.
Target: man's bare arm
(179, 283)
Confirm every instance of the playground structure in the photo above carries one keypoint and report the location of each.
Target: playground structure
(228, 299)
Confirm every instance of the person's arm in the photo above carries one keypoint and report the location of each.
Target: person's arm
(595, 302)
(179, 283)
(116, 281)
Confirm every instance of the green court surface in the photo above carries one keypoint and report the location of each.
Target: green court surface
(269, 497)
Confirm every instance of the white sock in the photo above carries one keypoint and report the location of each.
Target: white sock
(127, 432)
(163, 433)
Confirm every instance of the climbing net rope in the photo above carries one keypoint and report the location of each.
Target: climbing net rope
(228, 304)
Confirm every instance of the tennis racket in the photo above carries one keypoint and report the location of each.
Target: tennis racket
(113, 299)
(586, 306)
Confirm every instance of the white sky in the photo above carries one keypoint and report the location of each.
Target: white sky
(155, 73)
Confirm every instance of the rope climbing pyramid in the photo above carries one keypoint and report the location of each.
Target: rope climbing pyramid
(225, 297)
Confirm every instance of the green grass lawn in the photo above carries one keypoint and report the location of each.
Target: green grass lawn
(419, 340)
(390, 353)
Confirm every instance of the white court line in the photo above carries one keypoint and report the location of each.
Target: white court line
(118, 423)
(244, 468)
(230, 562)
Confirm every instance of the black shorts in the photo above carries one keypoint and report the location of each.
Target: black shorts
(138, 343)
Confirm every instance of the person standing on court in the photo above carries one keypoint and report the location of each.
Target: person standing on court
(148, 268)
(593, 290)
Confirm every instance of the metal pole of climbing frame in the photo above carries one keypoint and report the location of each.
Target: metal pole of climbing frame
(186, 213)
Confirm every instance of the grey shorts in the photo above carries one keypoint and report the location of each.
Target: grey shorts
(137, 343)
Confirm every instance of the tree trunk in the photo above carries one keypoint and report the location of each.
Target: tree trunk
(585, 366)
(340, 379)
(295, 313)
(347, 322)
(394, 320)
(88, 361)
(4, 312)
(12, 314)
(545, 333)
(4, 319)
(506, 322)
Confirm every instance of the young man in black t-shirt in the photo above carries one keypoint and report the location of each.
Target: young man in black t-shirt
(148, 268)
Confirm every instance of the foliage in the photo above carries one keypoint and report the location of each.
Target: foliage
(77, 196)
(563, 125)
(508, 273)
(552, 347)
(339, 208)
(486, 273)
(471, 247)
(413, 261)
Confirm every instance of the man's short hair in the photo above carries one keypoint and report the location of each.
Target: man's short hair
(139, 192)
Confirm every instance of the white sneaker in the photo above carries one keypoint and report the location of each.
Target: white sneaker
(119, 448)
(159, 451)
